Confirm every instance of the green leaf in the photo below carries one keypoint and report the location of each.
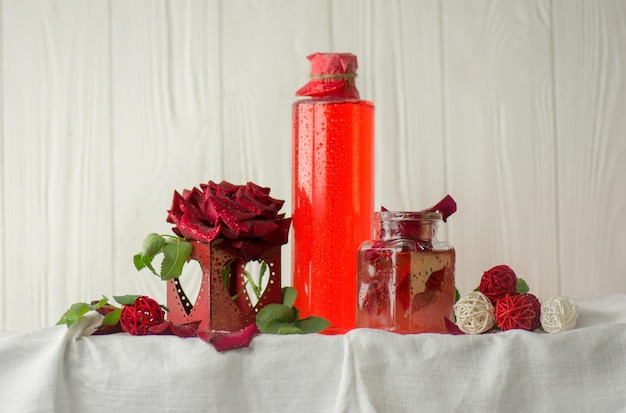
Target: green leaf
(113, 317)
(250, 280)
(273, 316)
(103, 301)
(289, 329)
(138, 261)
(296, 314)
(285, 319)
(522, 287)
(276, 312)
(176, 252)
(147, 262)
(126, 299)
(74, 313)
(273, 326)
(262, 271)
(289, 296)
(226, 276)
(152, 245)
(457, 294)
(313, 324)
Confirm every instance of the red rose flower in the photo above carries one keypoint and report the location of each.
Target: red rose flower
(498, 282)
(107, 328)
(243, 214)
(137, 318)
(518, 311)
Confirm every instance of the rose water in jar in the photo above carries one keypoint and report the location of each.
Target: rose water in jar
(405, 276)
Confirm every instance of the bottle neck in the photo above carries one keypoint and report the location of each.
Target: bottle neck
(418, 226)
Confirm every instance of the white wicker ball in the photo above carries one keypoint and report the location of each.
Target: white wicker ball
(558, 314)
(474, 313)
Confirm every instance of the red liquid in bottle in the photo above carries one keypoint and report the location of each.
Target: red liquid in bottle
(333, 190)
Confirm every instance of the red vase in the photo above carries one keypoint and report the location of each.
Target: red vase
(217, 307)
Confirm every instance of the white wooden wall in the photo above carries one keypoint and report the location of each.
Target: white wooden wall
(516, 108)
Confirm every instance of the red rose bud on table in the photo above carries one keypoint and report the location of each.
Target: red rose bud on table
(245, 215)
(107, 328)
(137, 318)
(518, 311)
(498, 282)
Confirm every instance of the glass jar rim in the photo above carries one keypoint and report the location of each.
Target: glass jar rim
(406, 216)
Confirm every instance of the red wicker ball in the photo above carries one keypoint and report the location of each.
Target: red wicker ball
(138, 317)
(518, 311)
(537, 305)
(498, 282)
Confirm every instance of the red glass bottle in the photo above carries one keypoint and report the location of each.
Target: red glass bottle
(333, 189)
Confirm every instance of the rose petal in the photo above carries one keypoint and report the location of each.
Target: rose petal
(223, 341)
(447, 207)
(452, 328)
(258, 228)
(424, 299)
(280, 235)
(223, 187)
(435, 280)
(177, 208)
(180, 330)
(107, 329)
(163, 329)
(191, 227)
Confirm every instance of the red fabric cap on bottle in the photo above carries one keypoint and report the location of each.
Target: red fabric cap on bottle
(332, 74)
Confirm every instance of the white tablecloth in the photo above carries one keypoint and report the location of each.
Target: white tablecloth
(60, 370)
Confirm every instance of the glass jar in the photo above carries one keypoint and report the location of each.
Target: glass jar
(405, 276)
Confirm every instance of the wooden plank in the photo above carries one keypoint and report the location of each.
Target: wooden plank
(265, 45)
(57, 158)
(499, 139)
(264, 49)
(590, 103)
(3, 199)
(399, 50)
(167, 119)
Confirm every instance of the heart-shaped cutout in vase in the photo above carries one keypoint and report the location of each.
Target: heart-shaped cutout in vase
(192, 274)
(246, 282)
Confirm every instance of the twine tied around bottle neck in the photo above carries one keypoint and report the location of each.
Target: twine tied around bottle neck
(332, 76)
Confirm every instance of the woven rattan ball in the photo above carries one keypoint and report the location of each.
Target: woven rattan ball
(474, 313)
(558, 314)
